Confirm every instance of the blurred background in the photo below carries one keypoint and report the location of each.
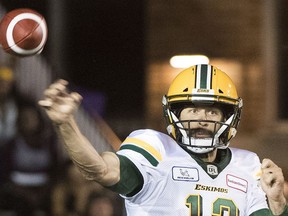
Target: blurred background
(116, 54)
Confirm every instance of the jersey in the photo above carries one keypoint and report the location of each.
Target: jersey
(175, 183)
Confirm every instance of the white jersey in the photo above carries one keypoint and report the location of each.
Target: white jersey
(176, 184)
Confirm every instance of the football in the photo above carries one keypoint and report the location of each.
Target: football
(23, 32)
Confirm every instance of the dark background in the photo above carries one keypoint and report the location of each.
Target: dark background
(282, 59)
(99, 46)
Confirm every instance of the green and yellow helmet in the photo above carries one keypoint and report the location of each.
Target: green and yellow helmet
(202, 85)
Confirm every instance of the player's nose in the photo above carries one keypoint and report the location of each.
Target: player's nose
(202, 117)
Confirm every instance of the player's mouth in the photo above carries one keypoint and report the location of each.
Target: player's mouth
(201, 133)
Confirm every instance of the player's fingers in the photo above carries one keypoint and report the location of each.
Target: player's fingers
(57, 88)
(72, 100)
(76, 97)
(268, 179)
(62, 81)
(45, 103)
(269, 167)
(272, 176)
(54, 90)
(267, 163)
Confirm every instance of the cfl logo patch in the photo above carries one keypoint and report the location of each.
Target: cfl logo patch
(212, 169)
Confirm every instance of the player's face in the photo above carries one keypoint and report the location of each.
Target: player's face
(200, 127)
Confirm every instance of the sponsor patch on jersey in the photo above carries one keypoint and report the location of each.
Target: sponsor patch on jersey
(237, 183)
(185, 174)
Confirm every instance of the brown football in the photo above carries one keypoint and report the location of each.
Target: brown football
(23, 32)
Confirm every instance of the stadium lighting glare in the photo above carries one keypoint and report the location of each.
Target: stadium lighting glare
(184, 61)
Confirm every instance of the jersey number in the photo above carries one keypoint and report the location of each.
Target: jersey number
(221, 207)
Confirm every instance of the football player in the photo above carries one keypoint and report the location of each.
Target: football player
(191, 171)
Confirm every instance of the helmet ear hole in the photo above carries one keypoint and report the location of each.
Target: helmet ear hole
(171, 130)
(232, 132)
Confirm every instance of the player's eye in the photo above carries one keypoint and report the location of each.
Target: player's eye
(193, 110)
(214, 112)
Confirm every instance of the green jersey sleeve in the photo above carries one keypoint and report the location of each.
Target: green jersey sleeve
(267, 212)
(131, 180)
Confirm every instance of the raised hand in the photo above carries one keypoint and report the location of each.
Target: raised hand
(59, 103)
(272, 182)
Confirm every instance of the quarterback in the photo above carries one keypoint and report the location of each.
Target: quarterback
(190, 171)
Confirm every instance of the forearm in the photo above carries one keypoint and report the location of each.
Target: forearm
(102, 168)
(277, 207)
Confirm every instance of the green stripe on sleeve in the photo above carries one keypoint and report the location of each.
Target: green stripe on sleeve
(142, 151)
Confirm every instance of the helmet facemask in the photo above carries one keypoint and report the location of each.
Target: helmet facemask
(218, 137)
